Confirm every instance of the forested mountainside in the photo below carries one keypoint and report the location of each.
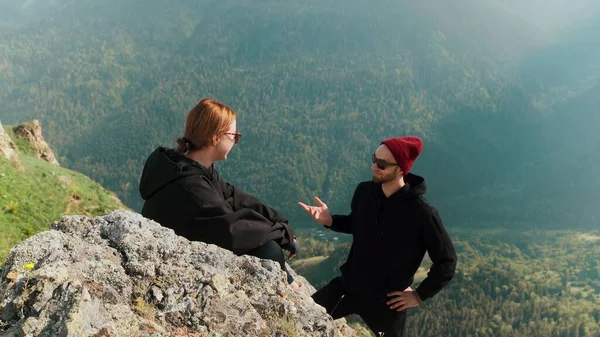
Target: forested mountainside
(509, 283)
(317, 85)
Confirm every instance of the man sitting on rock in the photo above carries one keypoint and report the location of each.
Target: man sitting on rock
(392, 226)
(183, 191)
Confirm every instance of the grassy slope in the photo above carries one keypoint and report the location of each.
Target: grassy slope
(35, 193)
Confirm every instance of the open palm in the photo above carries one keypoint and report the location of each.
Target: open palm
(320, 212)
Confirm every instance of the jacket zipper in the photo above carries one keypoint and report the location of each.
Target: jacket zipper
(336, 305)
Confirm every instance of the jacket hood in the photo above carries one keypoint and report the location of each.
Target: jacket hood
(417, 184)
(414, 188)
(164, 166)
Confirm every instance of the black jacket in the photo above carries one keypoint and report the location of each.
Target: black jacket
(196, 203)
(390, 238)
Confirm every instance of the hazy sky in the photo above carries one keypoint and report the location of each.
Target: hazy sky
(554, 15)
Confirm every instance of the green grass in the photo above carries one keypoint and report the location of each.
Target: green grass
(23, 146)
(286, 326)
(35, 193)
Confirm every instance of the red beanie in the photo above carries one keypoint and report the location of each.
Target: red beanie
(405, 150)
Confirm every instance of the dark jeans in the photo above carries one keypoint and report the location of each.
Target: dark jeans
(378, 317)
(272, 251)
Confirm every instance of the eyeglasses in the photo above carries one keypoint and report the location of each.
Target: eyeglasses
(236, 136)
(381, 163)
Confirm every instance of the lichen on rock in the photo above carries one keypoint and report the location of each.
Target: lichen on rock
(124, 275)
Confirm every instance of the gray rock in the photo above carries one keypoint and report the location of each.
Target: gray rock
(7, 146)
(32, 132)
(124, 275)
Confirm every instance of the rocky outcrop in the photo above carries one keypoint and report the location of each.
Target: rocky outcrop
(7, 146)
(32, 132)
(124, 275)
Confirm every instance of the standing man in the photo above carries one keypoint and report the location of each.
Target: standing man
(392, 227)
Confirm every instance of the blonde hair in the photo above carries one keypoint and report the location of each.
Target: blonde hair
(209, 118)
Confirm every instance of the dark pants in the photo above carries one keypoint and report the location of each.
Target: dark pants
(272, 251)
(378, 316)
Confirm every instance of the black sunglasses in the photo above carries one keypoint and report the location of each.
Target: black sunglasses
(236, 136)
(381, 163)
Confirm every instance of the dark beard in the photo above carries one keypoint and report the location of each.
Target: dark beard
(384, 178)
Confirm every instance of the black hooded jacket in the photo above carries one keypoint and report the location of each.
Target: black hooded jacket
(197, 204)
(390, 238)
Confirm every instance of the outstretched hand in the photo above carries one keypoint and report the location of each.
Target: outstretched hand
(402, 300)
(319, 213)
